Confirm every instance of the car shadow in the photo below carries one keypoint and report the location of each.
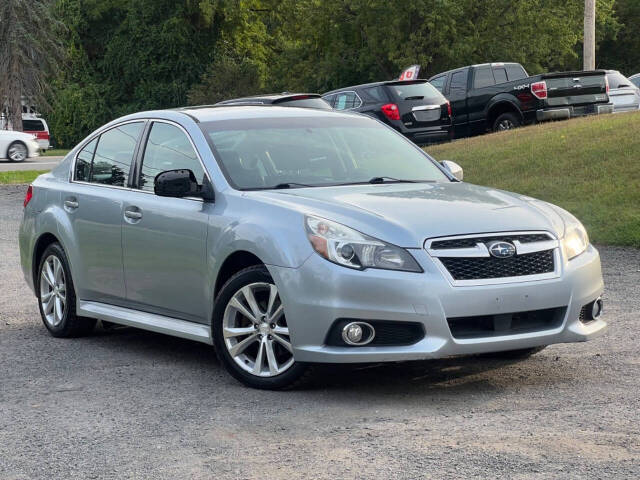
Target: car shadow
(448, 376)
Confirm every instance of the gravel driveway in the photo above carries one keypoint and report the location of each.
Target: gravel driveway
(132, 404)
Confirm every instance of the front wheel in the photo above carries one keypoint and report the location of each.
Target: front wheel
(506, 121)
(251, 335)
(17, 152)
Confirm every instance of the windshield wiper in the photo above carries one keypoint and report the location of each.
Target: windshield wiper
(391, 180)
(415, 97)
(280, 186)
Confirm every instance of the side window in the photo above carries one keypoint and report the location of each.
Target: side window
(168, 148)
(515, 72)
(114, 153)
(458, 83)
(83, 161)
(483, 77)
(500, 74)
(376, 94)
(346, 100)
(329, 99)
(438, 82)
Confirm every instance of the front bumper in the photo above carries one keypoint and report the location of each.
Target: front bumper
(319, 292)
(562, 113)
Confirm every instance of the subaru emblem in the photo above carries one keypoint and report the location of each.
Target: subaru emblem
(500, 249)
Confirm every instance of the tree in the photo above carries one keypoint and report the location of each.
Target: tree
(30, 52)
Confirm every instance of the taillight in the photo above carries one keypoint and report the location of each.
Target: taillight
(606, 84)
(28, 196)
(539, 89)
(391, 111)
(449, 112)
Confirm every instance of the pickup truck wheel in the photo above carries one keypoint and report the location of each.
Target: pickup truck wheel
(506, 121)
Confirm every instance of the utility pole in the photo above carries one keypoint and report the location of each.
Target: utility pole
(589, 47)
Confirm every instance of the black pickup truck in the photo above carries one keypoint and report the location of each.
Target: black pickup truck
(501, 96)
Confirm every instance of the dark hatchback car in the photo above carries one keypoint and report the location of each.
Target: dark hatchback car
(414, 108)
(308, 100)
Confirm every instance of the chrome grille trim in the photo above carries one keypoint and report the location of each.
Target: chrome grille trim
(480, 250)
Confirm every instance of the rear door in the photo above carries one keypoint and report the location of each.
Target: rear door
(94, 206)
(163, 238)
(420, 104)
(457, 94)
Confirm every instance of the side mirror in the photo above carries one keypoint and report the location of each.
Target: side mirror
(181, 183)
(454, 168)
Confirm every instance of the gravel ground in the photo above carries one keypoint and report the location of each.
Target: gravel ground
(132, 404)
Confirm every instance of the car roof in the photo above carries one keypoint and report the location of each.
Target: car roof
(208, 113)
(375, 84)
(488, 64)
(271, 98)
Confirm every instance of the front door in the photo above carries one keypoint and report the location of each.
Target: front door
(164, 239)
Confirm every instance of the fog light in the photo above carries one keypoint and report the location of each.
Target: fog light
(358, 333)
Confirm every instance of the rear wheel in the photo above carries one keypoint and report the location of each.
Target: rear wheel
(56, 296)
(17, 152)
(251, 334)
(506, 121)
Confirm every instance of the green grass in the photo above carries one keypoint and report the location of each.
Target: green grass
(589, 166)
(20, 176)
(55, 152)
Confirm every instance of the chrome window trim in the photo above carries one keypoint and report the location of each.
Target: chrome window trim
(355, 106)
(87, 141)
(481, 251)
(142, 120)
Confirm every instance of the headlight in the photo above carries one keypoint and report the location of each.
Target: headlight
(575, 239)
(350, 248)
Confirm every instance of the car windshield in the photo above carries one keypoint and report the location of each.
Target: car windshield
(617, 80)
(417, 91)
(297, 151)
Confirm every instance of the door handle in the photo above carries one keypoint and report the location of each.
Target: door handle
(71, 203)
(133, 214)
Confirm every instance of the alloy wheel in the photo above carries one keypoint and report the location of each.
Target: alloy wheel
(53, 291)
(17, 152)
(255, 330)
(506, 124)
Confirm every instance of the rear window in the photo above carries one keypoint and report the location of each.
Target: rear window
(636, 81)
(483, 77)
(500, 74)
(306, 102)
(438, 83)
(32, 126)
(416, 91)
(616, 80)
(376, 94)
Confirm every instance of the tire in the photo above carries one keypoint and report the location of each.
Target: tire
(516, 354)
(506, 121)
(56, 296)
(254, 349)
(17, 152)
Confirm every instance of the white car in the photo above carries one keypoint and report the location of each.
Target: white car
(18, 146)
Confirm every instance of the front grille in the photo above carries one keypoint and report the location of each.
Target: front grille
(506, 323)
(388, 333)
(478, 268)
(471, 242)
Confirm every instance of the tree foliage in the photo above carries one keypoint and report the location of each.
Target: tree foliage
(29, 54)
(126, 56)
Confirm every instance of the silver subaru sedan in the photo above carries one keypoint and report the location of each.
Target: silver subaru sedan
(289, 237)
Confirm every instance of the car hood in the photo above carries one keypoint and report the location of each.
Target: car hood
(407, 214)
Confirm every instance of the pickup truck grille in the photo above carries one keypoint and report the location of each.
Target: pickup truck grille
(467, 260)
(491, 267)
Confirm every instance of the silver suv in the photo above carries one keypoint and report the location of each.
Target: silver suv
(288, 237)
